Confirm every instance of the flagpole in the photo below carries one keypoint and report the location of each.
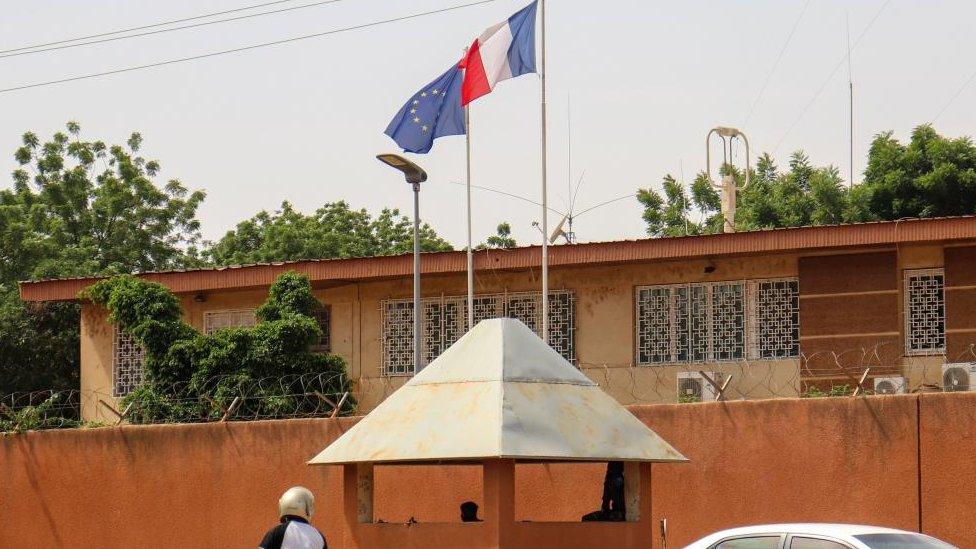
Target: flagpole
(545, 212)
(467, 138)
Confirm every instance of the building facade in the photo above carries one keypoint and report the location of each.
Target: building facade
(763, 314)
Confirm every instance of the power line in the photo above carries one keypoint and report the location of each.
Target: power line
(779, 58)
(508, 194)
(955, 96)
(240, 49)
(161, 31)
(830, 77)
(149, 26)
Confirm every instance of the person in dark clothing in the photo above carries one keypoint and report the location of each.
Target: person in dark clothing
(613, 508)
(295, 508)
(469, 512)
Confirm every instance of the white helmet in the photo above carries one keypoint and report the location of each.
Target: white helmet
(297, 501)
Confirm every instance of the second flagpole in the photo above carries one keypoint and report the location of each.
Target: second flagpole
(545, 205)
(467, 137)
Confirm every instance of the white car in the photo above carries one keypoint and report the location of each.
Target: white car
(817, 536)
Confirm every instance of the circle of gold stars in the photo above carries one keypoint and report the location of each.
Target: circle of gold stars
(413, 110)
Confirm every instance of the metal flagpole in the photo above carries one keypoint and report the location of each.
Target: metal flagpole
(467, 133)
(545, 220)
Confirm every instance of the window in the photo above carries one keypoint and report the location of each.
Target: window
(816, 543)
(445, 320)
(902, 541)
(323, 315)
(924, 311)
(754, 542)
(218, 320)
(127, 359)
(715, 322)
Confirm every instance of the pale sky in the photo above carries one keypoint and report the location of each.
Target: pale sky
(645, 81)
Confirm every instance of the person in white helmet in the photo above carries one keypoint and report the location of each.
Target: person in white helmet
(295, 508)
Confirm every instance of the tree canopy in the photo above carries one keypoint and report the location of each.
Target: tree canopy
(502, 239)
(79, 207)
(333, 231)
(931, 176)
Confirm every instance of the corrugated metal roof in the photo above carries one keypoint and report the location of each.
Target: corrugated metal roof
(594, 253)
(499, 392)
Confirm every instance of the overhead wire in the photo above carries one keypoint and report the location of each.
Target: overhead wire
(149, 26)
(240, 49)
(171, 29)
(955, 96)
(830, 77)
(782, 52)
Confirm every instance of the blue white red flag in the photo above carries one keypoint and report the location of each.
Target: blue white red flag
(504, 51)
(434, 111)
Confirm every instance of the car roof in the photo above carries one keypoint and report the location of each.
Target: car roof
(818, 529)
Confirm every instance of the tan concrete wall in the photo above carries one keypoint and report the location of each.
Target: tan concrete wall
(903, 461)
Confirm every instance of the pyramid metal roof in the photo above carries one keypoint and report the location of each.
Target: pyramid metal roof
(499, 392)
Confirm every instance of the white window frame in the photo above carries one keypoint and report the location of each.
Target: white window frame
(751, 350)
(908, 275)
(247, 319)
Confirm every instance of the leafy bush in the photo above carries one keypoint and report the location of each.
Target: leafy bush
(45, 415)
(191, 376)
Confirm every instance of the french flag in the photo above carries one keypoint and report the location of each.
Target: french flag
(504, 51)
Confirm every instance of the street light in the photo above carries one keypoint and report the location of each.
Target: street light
(415, 175)
(727, 187)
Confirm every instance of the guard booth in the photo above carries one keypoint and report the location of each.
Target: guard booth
(498, 397)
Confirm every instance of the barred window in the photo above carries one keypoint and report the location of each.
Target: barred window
(776, 317)
(715, 322)
(323, 316)
(924, 311)
(218, 320)
(127, 359)
(445, 321)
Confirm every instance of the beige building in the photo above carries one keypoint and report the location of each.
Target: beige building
(774, 313)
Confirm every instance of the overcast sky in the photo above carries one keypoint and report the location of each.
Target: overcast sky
(644, 80)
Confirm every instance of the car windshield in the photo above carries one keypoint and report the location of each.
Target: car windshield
(901, 541)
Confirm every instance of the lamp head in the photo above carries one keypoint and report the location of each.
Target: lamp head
(413, 173)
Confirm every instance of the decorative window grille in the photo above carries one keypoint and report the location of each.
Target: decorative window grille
(324, 318)
(716, 322)
(127, 359)
(775, 314)
(218, 320)
(445, 321)
(924, 311)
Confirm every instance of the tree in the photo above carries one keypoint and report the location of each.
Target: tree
(333, 231)
(501, 240)
(932, 176)
(185, 370)
(79, 208)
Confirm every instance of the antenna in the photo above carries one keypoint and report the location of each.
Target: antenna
(727, 187)
(850, 87)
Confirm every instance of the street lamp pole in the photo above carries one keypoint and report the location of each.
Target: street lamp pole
(416, 277)
(415, 175)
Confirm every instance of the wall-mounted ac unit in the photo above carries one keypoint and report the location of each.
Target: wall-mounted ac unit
(693, 387)
(890, 385)
(960, 376)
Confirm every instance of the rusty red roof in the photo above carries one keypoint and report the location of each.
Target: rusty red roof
(594, 253)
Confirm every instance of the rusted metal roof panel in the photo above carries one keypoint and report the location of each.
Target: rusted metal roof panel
(596, 253)
(499, 392)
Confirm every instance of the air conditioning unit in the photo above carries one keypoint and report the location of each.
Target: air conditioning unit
(960, 376)
(693, 387)
(890, 385)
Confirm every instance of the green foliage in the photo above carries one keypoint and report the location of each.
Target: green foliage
(333, 231)
(35, 418)
(930, 177)
(79, 208)
(834, 391)
(187, 372)
(501, 240)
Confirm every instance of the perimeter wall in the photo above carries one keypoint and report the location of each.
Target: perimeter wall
(901, 461)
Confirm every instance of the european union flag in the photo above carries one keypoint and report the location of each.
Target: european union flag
(434, 111)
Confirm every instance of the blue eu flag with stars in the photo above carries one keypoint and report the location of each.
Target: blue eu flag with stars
(432, 112)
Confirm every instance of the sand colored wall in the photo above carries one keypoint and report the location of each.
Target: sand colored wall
(217, 485)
